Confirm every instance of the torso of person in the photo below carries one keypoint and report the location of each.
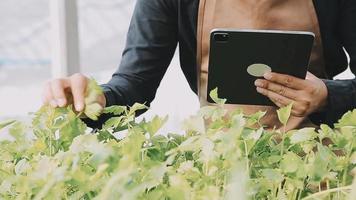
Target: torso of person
(291, 15)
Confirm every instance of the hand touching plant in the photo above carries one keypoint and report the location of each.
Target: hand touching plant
(308, 95)
(65, 91)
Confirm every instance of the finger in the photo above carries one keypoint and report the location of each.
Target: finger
(297, 113)
(58, 87)
(278, 103)
(278, 99)
(277, 88)
(286, 80)
(47, 96)
(78, 84)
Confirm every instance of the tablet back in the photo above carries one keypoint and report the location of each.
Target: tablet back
(237, 56)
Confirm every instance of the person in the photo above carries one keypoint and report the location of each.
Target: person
(157, 26)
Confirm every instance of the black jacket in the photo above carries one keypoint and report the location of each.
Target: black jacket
(157, 27)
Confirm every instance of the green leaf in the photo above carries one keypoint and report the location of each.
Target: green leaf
(137, 107)
(5, 187)
(115, 110)
(349, 119)
(194, 123)
(179, 189)
(18, 131)
(325, 132)
(291, 162)
(284, 114)
(6, 123)
(273, 175)
(21, 167)
(319, 167)
(93, 91)
(93, 111)
(191, 144)
(303, 135)
(215, 98)
(155, 124)
(256, 134)
(255, 118)
(274, 159)
(92, 108)
(353, 158)
(113, 122)
(207, 152)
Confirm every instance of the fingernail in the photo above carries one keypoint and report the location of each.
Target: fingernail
(79, 107)
(53, 103)
(267, 76)
(259, 90)
(258, 83)
(61, 102)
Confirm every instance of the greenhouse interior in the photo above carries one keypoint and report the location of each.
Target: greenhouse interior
(178, 99)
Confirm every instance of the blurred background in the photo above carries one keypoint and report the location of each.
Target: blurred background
(25, 56)
(26, 63)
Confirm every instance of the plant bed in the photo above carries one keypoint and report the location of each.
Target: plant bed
(57, 157)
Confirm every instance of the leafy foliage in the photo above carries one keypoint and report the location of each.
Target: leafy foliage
(219, 157)
(92, 108)
(284, 114)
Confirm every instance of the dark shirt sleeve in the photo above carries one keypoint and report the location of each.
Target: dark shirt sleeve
(342, 93)
(150, 46)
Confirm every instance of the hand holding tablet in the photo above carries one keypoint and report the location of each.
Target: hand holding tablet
(239, 57)
(307, 95)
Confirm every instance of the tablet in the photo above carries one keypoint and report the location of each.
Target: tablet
(239, 57)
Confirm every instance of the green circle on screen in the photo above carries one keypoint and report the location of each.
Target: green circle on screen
(258, 69)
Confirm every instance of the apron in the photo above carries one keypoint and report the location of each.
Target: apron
(291, 15)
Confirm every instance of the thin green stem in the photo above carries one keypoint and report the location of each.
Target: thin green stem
(293, 195)
(315, 195)
(79, 114)
(349, 154)
(338, 193)
(283, 138)
(247, 160)
(299, 195)
(328, 188)
(275, 190)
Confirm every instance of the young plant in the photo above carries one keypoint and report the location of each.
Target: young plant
(219, 156)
